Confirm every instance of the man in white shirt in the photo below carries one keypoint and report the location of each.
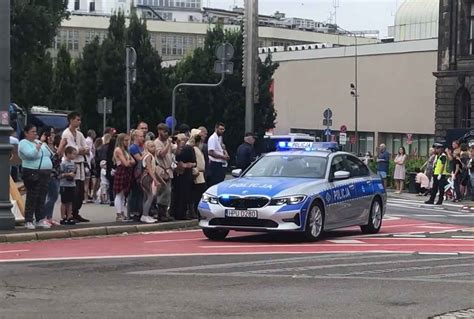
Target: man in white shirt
(73, 137)
(218, 156)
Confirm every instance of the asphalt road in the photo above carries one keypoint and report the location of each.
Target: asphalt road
(394, 282)
(252, 286)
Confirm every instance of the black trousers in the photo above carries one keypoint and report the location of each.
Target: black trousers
(36, 183)
(198, 190)
(438, 186)
(419, 189)
(216, 173)
(78, 198)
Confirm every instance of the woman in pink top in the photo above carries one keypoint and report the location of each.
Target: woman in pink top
(399, 173)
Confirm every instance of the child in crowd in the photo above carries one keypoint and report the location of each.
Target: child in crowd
(422, 182)
(104, 183)
(67, 183)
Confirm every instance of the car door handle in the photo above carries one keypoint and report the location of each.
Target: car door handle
(369, 182)
(351, 186)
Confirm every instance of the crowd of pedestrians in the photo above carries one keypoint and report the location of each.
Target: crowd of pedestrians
(146, 177)
(447, 173)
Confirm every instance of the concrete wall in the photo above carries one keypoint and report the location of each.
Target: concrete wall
(397, 90)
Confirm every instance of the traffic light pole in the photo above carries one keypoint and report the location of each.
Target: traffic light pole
(173, 98)
(250, 57)
(7, 220)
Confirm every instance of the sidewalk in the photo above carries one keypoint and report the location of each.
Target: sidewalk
(102, 222)
(414, 197)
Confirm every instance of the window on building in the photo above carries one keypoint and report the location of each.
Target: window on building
(471, 30)
(76, 5)
(91, 6)
(463, 109)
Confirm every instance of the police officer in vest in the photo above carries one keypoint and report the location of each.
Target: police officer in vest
(441, 173)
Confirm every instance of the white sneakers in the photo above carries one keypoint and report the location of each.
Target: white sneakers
(30, 226)
(41, 224)
(147, 220)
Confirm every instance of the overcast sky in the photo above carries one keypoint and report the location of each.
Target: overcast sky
(351, 14)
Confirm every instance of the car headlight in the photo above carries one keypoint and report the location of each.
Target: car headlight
(206, 198)
(288, 200)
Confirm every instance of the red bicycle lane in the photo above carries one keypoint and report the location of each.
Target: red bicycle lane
(181, 243)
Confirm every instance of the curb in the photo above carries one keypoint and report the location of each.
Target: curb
(95, 231)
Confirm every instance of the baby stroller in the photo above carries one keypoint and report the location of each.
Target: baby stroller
(449, 193)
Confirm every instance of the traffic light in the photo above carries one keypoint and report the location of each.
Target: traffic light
(353, 90)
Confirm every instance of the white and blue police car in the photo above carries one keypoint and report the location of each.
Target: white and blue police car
(302, 187)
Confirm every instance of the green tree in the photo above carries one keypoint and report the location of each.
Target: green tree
(206, 106)
(63, 91)
(111, 78)
(33, 27)
(149, 95)
(87, 91)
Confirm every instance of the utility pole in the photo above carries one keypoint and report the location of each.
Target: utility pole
(7, 220)
(355, 94)
(131, 76)
(250, 60)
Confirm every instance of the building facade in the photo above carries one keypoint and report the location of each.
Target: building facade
(455, 75)
(396, 91)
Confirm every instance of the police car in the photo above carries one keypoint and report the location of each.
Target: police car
(302, 187)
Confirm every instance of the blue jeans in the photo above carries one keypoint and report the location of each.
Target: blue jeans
(51, 197)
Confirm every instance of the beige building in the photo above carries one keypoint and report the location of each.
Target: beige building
(173, 40)
(396, 90)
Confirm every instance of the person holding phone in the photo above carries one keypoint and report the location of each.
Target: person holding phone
(37, 165)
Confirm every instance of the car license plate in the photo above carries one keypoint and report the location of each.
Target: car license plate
(241, 213)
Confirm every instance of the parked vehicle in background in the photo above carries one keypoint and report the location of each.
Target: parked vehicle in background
(40, 116)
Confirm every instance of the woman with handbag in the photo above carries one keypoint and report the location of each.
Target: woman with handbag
(199, 186)
(37, 165)
(150, 182)
(51, 141)
(123, 175)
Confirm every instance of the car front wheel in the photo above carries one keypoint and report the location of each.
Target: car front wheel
(215, 234)
(314, 223)
(375, 219)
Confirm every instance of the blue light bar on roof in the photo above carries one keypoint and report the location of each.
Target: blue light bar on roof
(307, 146)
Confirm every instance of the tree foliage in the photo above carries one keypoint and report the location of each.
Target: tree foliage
(63, 90)
(33, 27)
(206, 106)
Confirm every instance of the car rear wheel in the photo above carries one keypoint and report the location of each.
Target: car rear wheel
(375, 219)
(215, 234)
(314, 223)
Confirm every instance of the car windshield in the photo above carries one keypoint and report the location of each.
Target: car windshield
(304, 166)
(57, 121)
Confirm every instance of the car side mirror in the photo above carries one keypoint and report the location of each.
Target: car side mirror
(341, 175)
(236, 172)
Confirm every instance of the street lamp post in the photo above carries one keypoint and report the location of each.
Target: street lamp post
(7, 220)
(355, 91)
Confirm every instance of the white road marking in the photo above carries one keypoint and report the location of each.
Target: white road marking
(346, 241)
(362, 252)
(337, 245)
(409, 235)
(13, 251)
(426, 215)
(463, 237)
(433, 227)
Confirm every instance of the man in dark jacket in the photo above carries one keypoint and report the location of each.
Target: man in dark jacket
(246, 152)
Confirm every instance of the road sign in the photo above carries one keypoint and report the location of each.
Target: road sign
(343, 138)
(327, 122)
(327, 132)
(100, 106)
(223, 67)
(327, 113)
(225, 52)
(343, 129)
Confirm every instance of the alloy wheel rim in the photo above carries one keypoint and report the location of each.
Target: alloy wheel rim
(376, 215)
(316, 221)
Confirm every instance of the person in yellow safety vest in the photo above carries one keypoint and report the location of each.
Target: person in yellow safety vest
(440, 175)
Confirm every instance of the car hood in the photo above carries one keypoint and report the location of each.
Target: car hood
(268, 186)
